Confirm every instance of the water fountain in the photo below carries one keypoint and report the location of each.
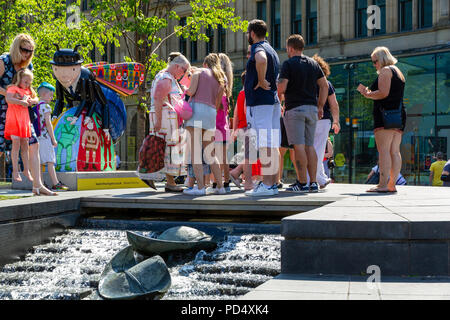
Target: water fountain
(70, 264)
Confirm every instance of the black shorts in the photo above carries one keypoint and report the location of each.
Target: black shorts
(378, 119)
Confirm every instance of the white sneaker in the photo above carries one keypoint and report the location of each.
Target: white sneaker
(190, 190)
(260, 191)
(212, 190)
(275, 189)
(221, 191)
(195, 191)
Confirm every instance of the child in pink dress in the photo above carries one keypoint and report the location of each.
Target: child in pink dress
(20, 96)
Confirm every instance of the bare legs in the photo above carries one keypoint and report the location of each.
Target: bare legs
(22, 145)
(35, 166)
(305, 162)
(197, 149)
(390, 159)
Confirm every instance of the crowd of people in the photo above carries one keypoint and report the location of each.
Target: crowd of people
(289, 107)
(25, 125)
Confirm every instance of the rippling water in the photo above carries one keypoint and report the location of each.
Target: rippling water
(70, 265)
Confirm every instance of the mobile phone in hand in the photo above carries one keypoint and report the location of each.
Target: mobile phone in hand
(361, 88)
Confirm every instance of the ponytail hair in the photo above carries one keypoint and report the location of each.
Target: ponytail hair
(227, 68)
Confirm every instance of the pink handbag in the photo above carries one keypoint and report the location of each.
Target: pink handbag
(183, 109)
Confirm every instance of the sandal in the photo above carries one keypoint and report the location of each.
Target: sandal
(172, 188)
(38, 192)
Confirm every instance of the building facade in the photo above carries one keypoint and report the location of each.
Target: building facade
(416, 31)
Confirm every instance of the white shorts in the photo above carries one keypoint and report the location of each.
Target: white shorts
(264, 122)
(46, 150)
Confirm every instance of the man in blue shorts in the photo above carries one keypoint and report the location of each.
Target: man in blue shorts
(299, 79)
(263, 107)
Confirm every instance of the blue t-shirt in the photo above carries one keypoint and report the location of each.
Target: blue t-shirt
(260, 96)
(326, 107)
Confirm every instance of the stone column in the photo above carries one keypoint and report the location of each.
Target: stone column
(348, 19)
(391, 16)
(323, 19)
(443, 8)
(285, 12)
(335, 20)
(304, 20)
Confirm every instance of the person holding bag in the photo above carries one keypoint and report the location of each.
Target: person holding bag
(165, 92)
(389, 116)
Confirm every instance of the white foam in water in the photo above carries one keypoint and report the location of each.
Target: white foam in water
(70, 265)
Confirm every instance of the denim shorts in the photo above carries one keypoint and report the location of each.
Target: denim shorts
(203, 116)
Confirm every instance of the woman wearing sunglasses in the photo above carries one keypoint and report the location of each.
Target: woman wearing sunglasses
(387, 93)
(19, 57)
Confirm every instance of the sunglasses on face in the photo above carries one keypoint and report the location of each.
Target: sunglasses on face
(26, 50)
(374, 61)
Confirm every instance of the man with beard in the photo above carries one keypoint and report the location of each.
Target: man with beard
(263, 107)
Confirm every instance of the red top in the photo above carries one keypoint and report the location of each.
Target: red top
(240, 105)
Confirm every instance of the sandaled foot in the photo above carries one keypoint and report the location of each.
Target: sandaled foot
(43, 191)
(16, 176)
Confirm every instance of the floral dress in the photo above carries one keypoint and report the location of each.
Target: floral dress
(170, 130)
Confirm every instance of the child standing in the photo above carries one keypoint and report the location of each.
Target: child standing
(20, 96)
(44, 131)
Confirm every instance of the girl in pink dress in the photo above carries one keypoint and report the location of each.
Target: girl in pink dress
(20, 96)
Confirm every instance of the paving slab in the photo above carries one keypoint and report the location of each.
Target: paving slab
(329, 287)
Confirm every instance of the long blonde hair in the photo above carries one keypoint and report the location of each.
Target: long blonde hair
(16, 54)
(227, 68)
(18, 78)
(212, 61)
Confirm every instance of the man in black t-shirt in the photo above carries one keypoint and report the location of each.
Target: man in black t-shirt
(299, 79)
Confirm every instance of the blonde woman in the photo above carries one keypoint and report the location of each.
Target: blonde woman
(387, 93)
(206, 91)
(20, 56)
(166, 91)
(222, 123)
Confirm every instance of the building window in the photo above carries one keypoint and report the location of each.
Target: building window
(296, 16)
(311, 11)
(222, 35)
(210, 43)
(405, 15)
(182, 40)
(194, 51)
(361, 18)
(425, 13)
(276, 23)
(382, 5)
(261, 10)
